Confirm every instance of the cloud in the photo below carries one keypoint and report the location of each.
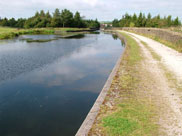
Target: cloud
(91, 2)
(101, 9)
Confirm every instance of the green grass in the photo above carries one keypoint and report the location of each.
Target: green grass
(131, 119)
(134, 50)
(175, 45)
(6, 30)
(176, 29)
(133, 114)
(119, 126)
(8, 33)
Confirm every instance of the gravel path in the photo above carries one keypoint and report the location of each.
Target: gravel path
(168, 98)
(171, 58)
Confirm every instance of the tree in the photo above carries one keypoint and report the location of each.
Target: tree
(78, 20)
(176, 22)
(148, 21)
(29, 23)
(158, 17)
(56, 20)
(42, 19)
(97, 24)
(42, 13)
(92, 23)
(134, 19)
(20, 23)
(149, 16)
(37, 14)
(140, 20)
(164, 22)
(66, 18)
(144, 21)
(48, 19)
(4, 22)
(115, 23)
(12, 22)
(169, 21)
(127, 20)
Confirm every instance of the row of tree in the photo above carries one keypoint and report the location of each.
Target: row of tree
(142, 21)
(65, 18)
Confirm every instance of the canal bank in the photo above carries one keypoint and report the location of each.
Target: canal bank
(142, 99)
(89, 120)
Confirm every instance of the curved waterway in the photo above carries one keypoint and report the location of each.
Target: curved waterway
(47, 89)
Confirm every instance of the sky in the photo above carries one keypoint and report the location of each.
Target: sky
(103, 10)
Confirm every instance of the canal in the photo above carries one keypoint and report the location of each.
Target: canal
(47, 88)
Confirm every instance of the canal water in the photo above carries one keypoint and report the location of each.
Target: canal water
(47, 89)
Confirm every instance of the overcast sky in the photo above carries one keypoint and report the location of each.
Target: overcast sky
(104, 10)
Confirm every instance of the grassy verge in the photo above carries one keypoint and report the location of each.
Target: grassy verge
(176, 29)
(126, 111)
(8, 33)
(175, 45)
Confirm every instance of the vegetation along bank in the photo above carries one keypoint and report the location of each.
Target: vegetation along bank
(144, 97)
(169, 38)
(45, 23)
(142, 20)
(65, 18)
(8, 33)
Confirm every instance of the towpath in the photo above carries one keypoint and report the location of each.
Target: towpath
(167, 90)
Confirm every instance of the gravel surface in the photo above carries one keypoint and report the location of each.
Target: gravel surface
(168, 98)
(171, 58)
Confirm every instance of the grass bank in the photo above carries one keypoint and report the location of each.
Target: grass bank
(176, 29)
(127, 110)
(171, 37)
(175, 45)
(8, 33)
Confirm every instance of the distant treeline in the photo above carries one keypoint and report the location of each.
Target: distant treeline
(145, 21)
(65, 18)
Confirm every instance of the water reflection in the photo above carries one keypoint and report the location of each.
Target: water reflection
(19, 57)
(49, 88)
(115, 37)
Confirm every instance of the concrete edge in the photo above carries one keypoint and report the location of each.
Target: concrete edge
(89, 120)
